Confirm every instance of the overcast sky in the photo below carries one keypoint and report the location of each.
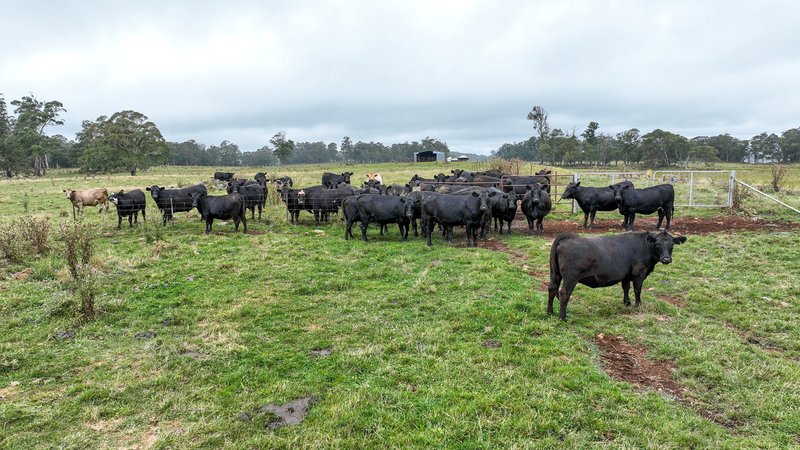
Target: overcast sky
(465, 72)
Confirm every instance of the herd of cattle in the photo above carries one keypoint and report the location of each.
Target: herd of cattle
(469, 199)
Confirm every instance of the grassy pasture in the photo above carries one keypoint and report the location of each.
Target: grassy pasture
(235, 317)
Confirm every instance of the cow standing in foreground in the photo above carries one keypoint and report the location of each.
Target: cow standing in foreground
(222, 207)
(89, 197)
(129, 204)
(601, 261)
(630, 201)
(455, 210)
(383, 210)
(590, 200)
(254, 194)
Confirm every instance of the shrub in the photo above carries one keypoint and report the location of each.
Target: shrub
(153, 230)
(778, 175)
(24, 238)
(78, 247)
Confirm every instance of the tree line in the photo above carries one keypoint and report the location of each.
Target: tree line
(657, 148)
(129, 141)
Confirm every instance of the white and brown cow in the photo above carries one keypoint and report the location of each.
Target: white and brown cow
(89, 197)
(374, 176)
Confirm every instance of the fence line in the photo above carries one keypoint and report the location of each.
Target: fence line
(767, 195)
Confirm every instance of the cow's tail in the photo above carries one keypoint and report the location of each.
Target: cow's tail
(555, 270)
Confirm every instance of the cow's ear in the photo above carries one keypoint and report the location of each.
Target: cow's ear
(577, 184)
(611, 186)
(475, 194)
(162, 187)
(549, 171)
(122, 191)
(651, 238)
(527, 187)
(64, 190)
(492, 194)
(679, 240)
(146, 189)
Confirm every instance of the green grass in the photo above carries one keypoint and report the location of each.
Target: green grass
(407, 325)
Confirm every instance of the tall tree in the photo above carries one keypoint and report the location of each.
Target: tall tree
(662, 148)
(629, 142)
(9, 156)
(283, 147)
(538, 116)
(790, 145)
(228, 154)
(436, 145)
(347, 148)
(125, 141)
(33, 116)
(590, 142)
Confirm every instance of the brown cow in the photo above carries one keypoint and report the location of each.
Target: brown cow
(374, 176)
(89, 197)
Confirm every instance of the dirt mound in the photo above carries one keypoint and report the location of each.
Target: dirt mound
(626, 362)
(680, 225)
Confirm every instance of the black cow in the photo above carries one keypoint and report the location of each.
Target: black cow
(504, 209)
(322, 202)
(255, 195)
(290, 199)
(453, 210)
(459, 173)
(283, 181)
(630, 201)
(536, 205)
(600, 261)
(332, 180)
(129, 204)
(223, 176)
(416, 197)
(590, 200)
(517, 183)
(397, 189)
(261, 179)
(383, 210)
(170, 201)
(223, 207)
(495, 173)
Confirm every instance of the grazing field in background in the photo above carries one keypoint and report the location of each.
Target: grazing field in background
(397, 344)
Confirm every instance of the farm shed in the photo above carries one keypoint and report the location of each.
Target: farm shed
(428, 156)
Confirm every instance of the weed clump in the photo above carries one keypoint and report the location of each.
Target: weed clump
(78, 247)
(778, 175)
(24, 238)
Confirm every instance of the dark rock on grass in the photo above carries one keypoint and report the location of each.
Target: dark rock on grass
(492, 343)
(243, 417)
(64, 335)
(290, 413)
(142, 335)
(167, 322)
(322, 353)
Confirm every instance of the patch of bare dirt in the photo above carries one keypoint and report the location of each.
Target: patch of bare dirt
(680, 225)
(492, 343)
(675, 301)
(322, 352)
(627, 362)
(753, 339)
(290, 413)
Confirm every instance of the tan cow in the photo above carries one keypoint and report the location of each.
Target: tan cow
(374, 176)
(89, 197)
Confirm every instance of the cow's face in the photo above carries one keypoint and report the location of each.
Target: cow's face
(619, 188)
(408, 207)
(154, 191)
(70, 193)
(346, 176)
(114, 198)
(301, 197)
(544, 172)
(570, 190)
(196, 196)
(484, 198)
(662, 244)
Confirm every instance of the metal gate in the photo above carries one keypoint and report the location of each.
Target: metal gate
(699, 188)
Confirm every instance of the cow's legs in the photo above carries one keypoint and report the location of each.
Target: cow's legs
(144, 217)
(530, 225)
(631, 218)
(563, 297)
(244, 222)
(660, 218)
(552, 291)
(591, 218)
(119, 221)
(637, 290)
(668, 212)
(626, 286)
(130, 220)
(586, 218)
(209, 221)
(364, 225)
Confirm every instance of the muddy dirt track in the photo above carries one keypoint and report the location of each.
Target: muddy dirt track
(679, 226)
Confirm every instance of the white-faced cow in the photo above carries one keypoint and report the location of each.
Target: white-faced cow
(129, 204)
(601, 261)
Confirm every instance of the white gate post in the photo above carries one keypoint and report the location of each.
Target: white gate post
(575, 179)
(731, 185)
(691, 186)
